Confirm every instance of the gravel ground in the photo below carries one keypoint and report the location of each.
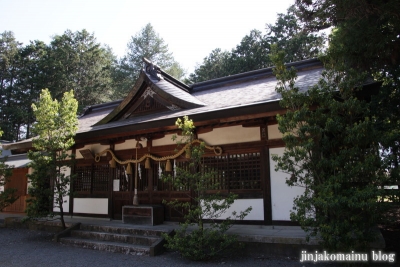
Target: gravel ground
(22, 247)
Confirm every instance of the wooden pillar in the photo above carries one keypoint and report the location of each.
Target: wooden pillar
(71, 186)
(111, 176)
(266, 175)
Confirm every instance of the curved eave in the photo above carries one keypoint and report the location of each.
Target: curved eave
(150, 124)
(21, 145)
(120, 108)
(174, 94)
(165, 89)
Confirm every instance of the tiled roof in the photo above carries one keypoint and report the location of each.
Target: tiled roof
(211, 97)
(252, 91)
(95, 113)
(227, 93)
(17, 161)
(169, 90)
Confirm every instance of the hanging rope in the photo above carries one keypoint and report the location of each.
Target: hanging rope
(217, 150)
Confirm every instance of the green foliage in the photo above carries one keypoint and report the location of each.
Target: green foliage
(72, 61)
(40, 203)
(195, 239)
(332, 150)
(7, 195)
(288, 34)
(365, 37)
(215, 65)
(145, 44)
(9, 66)
(254, 49)
(78, 62)
(55, 128)
(367, 31)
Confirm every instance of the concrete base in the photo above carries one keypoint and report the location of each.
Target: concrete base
(143, 214)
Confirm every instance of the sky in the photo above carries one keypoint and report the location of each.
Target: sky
(191, 28)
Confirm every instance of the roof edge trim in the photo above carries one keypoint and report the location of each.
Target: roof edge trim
(314, 62)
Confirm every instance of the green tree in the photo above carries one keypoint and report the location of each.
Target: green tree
(367, 32)
(366, 38)
(9, 71)
(289, 35)
(32, 77)
(253, 51)
(73, 60)
(7, 195)
(76, 61)
(195, 240)
(214, 66)
(331, 150)
(55, 127)
(145, 44)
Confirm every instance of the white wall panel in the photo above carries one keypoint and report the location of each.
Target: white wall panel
(282, 195)
(166, 140)
(129, 144)
(257, 212)
(91, 205)
(273, 132)
(231, 135)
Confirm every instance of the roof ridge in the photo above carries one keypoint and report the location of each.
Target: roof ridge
(166, 76)
(254, 74)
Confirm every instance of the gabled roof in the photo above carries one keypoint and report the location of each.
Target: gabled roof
(17, 161)
(245, 93)
(157, 100)
(154, 91)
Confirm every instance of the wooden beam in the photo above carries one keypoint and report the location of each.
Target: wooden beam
(86, 154)
(202, 130)
(253, 124)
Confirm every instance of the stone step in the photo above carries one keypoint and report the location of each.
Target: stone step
(124, 231)
(128, 240)
(114, 237)
(108, 246)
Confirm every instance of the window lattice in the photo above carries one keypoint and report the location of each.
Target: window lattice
(158, 182)
(240, 171)
(100, 178)
(143, 177)
(83, 179)
(92, 178)
(234, 171)
(122, 177)
(244, 171)
(218, 168)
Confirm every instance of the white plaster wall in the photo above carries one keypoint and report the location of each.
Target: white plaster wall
(257, 212)
(166, 140)
(282, 195)
(91, 205)
(129, 144)
(231, 135)
(66, 171)
(273, 132)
